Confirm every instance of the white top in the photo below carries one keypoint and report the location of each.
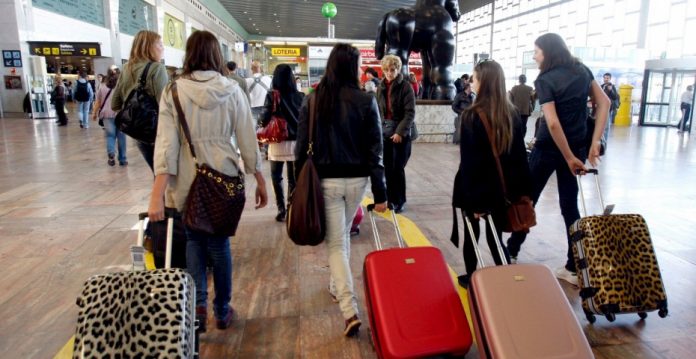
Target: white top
(687, 97)
(284, 151)
(258, 85)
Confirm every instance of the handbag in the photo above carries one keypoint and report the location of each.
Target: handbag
(138, 117)
(276, 130)
(215, 201)
(306, 219)
(520, 213)
(101, 120)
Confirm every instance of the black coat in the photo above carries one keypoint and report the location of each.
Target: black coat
(348, 144)
(477, 187)
(403, 105)
(289, 108)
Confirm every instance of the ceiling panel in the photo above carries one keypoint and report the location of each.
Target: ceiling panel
(356, 19)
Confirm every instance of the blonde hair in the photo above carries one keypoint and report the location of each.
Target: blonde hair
(493, 101)
(391, 61)
(143, 48)
(255, 66)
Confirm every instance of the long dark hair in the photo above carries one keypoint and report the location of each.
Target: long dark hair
(341, 71)
(203, 53)
(284, 80)
(112, 77)
(556, 52)
(493, 101)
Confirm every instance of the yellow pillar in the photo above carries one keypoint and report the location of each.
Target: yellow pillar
(623, 114)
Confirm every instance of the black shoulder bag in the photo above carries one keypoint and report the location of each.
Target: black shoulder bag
(138, 117)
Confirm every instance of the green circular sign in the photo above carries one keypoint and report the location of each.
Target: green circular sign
(329, 10)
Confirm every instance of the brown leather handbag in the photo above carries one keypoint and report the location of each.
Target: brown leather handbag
(520, 213)
(306, 221)
(215, 201)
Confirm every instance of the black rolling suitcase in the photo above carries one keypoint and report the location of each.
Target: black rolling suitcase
(139, 313)
(617, 268)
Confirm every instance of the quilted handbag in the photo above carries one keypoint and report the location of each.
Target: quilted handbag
(138, 117)
(276, 130)
(215, 201)
(306, 220)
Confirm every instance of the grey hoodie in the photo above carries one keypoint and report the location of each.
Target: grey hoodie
(216, 109)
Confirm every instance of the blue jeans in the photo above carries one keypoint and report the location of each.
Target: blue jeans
(112, 134)
(200, 246)
(542, 164)
(83, 113)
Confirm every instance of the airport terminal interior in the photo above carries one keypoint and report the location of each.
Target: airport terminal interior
(67, 214)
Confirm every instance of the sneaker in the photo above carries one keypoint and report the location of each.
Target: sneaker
(123, 163)
(111, 161)
(352, 326)
(563, 274)
(355, 231)
(333, 296)
(225, 322)
(513, 260)
(202, 318)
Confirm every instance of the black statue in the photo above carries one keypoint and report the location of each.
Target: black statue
(424, 28)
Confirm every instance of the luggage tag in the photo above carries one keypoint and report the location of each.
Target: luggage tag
(608, 209)
(138, 257)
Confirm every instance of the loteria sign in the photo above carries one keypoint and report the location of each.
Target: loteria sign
(285, 51)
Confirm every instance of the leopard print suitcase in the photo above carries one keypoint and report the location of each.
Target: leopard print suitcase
(148, 314)
(617, 269)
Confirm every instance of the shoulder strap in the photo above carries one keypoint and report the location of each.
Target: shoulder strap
(182, 120)
(104, 102)
(312, 105)
(489, 131)
(143, 76)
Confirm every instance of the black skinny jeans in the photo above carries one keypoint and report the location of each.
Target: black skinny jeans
(542, 164)
(277, 177)
(470, 261)
(396, 157)
(60, 111)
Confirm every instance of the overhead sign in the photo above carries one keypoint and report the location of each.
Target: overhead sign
(285, 51)
(12, 58)
(87, 49)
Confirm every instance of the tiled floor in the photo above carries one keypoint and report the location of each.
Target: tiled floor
(66, 215)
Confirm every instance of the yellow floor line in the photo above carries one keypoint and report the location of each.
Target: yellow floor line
(415, 238)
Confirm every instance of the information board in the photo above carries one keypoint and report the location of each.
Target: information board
(87, 49)
(135, 15)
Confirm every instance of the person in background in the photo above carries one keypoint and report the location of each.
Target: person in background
(99, 81)
(461, 102)
(84, 95)
(460, 82)
(522, 97)
(258, 85)
(686, 104)
(283, 152)
(477, 185)
(397, 107)
(232, 68)
(215, 109)
(562, 88)
(298, 83)
(58, 97)
(347, 151)
(111, 133)
(147, 48)
(414, 83)
(372, 80)
(613, 95)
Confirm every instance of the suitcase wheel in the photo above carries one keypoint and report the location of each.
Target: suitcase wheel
(610, 317)
(590, 317)
(643, 315)
(662, 312)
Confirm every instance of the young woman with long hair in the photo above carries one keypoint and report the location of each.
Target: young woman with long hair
(215, 109)
(147, 48)
(112, 134)
(347, 151)
(562, 88)
(477, 185)
(283, 152)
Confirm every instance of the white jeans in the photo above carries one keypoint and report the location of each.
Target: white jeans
(342, 197)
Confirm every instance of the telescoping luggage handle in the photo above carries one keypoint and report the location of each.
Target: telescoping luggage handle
(138, 251)
(375, 233)
(477, 251)
(606, 210)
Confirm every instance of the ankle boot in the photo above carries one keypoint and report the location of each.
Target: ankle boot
(280, 217)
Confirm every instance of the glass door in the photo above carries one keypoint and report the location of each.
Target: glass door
(661, 104)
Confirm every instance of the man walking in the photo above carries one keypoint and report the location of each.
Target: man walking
(232, 67)
(258, 84)
(83, 95)
(686, 103)
(522, 96)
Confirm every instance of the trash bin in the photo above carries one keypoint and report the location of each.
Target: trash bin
(623, 115)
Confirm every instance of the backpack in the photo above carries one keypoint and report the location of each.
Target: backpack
(138, 117)
(81, 92)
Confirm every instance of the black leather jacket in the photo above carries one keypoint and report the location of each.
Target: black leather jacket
(403, 105)
(289, 108)
(348, 144)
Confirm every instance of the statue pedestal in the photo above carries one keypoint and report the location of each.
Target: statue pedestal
(435, 121)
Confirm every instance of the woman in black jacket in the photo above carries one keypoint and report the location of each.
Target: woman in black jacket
(397, 106)
(461, 102)
(478, 189)
(347, 147)
(288, 107)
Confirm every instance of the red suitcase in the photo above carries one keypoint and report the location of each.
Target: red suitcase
(412, 304)
(520, 311)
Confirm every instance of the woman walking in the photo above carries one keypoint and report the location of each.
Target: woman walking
(478, 188)
(347, 151)
(215, 109)
(147, 50)
(107, 116)
(286, 100)
(562, 89)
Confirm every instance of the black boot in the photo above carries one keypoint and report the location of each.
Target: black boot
(280, 217)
